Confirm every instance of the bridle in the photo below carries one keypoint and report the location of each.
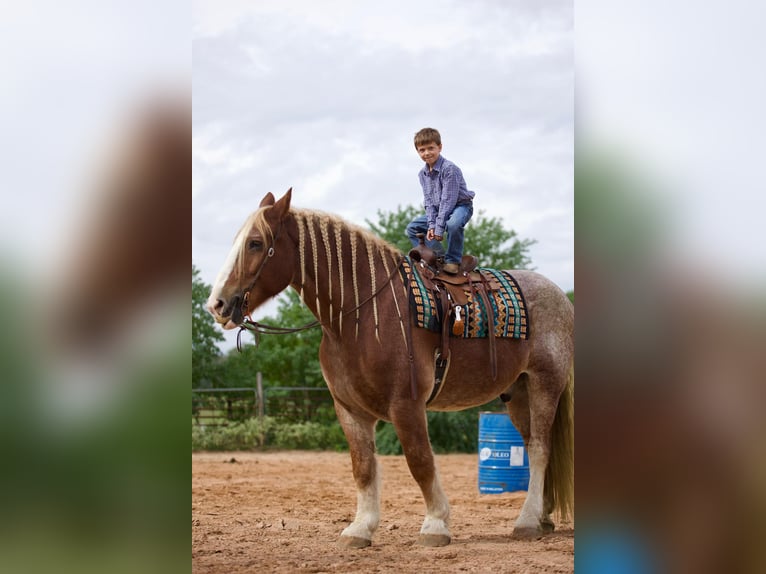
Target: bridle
(253, 326)
(269, 254)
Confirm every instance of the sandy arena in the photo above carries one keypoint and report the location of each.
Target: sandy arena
(284, 511)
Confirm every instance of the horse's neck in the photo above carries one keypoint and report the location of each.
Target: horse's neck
(340, 268)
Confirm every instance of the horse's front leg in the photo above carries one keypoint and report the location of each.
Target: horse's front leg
(412, 429)
(360, 433)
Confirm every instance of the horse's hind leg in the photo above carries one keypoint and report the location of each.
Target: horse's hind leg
(533, 409)
(412, 430)
(360, 433)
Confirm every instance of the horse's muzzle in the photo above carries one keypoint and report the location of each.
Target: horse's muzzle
(229, 315)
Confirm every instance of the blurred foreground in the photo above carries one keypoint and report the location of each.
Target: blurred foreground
(95, 143)
(671, 432)
(96, 363)
(671, 271)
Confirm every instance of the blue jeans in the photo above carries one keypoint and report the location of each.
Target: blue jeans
(455, 231)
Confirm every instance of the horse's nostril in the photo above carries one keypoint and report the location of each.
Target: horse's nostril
(214, 306)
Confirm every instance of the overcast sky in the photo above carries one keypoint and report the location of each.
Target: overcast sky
(325, 97)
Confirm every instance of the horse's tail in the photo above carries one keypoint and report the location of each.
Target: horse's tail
(559, 476)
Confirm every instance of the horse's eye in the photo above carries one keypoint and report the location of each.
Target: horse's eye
(255, 245)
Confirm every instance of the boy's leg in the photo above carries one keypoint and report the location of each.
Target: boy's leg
(420, 225)
(417, 225)
(455, 232)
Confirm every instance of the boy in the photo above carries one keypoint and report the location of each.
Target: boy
(448, 202)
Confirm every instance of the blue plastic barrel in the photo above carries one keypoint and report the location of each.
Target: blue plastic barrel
(503, 459)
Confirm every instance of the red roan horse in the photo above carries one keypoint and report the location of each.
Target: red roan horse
(349, 280)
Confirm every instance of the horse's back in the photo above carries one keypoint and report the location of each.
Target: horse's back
(550, 346)
(543, 296)
(551, 314)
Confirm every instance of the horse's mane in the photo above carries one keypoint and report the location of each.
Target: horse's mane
(337, 223)
(338, 240)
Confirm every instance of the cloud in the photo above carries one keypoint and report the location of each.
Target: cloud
(291, 95)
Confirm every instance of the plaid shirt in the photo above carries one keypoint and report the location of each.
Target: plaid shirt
(443, 188)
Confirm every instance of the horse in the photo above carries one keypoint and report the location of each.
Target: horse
(349, 279)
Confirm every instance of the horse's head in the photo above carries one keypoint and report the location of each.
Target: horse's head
(259, 265)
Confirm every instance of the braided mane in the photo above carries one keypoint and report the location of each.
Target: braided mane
(349, 253)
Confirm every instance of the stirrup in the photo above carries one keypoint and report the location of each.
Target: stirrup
(468, 263)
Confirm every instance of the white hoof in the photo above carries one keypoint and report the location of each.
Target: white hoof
(353, 535)
(353, 542)
(434, 540)
(434, 533)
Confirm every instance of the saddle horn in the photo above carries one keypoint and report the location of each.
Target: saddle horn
(422, 252)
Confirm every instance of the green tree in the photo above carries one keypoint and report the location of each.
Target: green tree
(205, 336)
(485, 237)
(284, 360)
(391, 225)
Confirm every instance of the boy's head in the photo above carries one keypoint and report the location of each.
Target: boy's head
(428, 144)
(427, 136)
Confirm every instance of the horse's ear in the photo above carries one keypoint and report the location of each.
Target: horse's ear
(268, 199)
(283, 205)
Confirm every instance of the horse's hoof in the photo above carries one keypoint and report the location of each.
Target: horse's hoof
(547, 526)
(526, 533)
(434, 540)
(353, 542)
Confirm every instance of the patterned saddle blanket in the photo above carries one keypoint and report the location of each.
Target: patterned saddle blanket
(508, 307)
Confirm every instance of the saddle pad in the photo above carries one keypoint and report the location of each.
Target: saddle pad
(422, 300)
(507, 301)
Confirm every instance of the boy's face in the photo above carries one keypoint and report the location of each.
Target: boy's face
(429, 153)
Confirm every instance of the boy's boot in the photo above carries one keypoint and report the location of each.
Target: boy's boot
(450, 268)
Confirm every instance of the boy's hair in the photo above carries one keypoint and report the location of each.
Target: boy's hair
(427, 136)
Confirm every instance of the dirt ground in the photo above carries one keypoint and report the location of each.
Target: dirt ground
(284, 511)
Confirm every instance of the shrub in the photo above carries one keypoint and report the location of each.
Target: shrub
(386, 441)
(449, 432)
(254, 434)
(310, 436)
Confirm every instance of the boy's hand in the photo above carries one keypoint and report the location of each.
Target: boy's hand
(431, 236)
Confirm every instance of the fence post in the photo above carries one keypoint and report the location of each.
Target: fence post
(259, 393)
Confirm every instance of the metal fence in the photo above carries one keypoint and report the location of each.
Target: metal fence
(211, 407)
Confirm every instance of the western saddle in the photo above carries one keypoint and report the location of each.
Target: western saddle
(452, 291)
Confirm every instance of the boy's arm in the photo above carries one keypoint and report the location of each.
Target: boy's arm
(450, 192)
(429, 206)
(431, 215)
